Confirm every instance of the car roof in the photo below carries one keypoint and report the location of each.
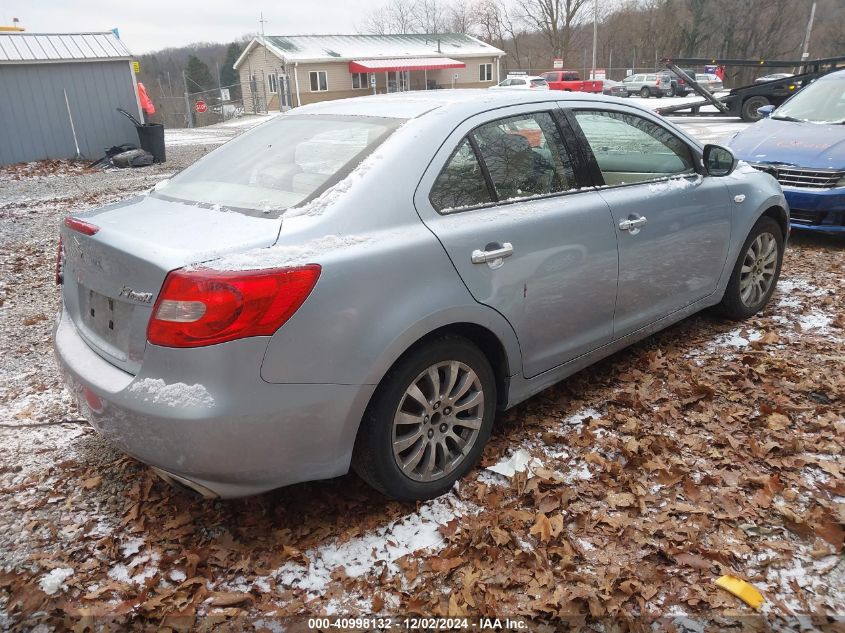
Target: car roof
(411, 105)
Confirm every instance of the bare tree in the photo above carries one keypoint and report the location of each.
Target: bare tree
(398, 16)
(429, 16)
(554, 19)
(460, 17)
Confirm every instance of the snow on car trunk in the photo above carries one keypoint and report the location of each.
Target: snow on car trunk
(112, 277)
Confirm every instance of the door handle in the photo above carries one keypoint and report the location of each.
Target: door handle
(483, 257)
(633, 224)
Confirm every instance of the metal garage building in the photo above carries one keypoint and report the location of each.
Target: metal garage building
(59, 94)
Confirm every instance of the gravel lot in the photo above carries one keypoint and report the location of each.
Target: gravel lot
(709, 448)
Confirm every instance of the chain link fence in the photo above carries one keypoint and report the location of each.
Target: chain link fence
(199, 108)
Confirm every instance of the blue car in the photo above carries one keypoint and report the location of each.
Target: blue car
(802, 144)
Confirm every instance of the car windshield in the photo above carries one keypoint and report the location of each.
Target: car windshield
(820, 102)
(279, 165)
(539, 82)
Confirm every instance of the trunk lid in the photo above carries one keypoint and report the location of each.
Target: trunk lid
(112, 278)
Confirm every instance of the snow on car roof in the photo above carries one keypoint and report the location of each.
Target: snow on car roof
(410, 105)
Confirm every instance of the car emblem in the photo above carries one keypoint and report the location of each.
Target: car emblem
(143, 297)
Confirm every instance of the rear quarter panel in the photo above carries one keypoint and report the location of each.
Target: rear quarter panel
(390, 286)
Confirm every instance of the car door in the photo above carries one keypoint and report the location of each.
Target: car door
(673, 224)
(503, 197)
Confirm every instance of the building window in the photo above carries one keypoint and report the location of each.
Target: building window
(272, 83)
(485, 72)
(319, 81)
(360, 80)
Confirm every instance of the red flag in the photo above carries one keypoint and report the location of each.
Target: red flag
(146, 105)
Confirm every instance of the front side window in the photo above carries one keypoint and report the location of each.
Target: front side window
(360, 80)
(485, 72)
(631, 149)
(319, 81)
(281, 164)
(524, 156)
(461, 183)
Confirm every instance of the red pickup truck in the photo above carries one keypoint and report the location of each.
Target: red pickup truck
(571, 81)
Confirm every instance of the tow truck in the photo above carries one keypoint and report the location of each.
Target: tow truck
(744, 101)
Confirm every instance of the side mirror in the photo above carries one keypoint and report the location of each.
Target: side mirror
(718, 160)
(766, 111)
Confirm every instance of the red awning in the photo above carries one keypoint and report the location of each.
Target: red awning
(407, 63)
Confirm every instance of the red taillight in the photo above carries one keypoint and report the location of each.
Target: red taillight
(80, 226)
(658, 82)
(60, 263)
(204, 307)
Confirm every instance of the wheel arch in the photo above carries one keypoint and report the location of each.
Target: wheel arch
(779, 215)
(489, 342)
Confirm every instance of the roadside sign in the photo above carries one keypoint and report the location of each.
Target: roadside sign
(224, 94)
(600, 73)
(557, 63)
(200, 107)
(136, 66)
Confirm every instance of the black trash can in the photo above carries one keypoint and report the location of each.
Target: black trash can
(151, 136)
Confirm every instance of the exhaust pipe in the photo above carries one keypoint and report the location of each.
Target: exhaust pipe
(180, 482)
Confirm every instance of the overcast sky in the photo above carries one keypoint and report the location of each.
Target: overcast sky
(148, 25)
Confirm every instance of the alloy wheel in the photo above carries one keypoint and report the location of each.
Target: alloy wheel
(437, 421)
(758, 269)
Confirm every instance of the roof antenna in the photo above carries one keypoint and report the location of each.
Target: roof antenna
(262, 21)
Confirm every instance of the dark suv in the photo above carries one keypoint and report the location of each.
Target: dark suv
(680, 88)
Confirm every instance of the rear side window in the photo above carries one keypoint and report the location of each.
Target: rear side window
(461, 184)
(630, 149)
(524, 156)
(518, 157)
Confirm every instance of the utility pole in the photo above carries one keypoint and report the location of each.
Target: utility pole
(220, 94)
(595, 34)
(805, 45)
(190, 114)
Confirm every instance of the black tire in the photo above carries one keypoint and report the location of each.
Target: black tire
(659, 95)
(373, 456)
(673, 91)
(645, 93)
(732, 305)
(749, 108)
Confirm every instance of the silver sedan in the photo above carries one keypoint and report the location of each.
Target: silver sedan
(366, 283)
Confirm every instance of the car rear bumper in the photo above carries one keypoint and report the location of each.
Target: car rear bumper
(820, 210)
(222, 429)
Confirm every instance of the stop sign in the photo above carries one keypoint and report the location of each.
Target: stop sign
(201, 106)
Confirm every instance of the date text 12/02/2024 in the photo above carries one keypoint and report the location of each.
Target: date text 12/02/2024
(418, 623)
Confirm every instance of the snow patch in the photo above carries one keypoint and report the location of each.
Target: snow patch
(735, 338)
(132, 546)
(177, 394)
(359, 556)
(814, 321)
(177, 575)
(54, 581)
(674, 184)
(288, 254)
(518, 462)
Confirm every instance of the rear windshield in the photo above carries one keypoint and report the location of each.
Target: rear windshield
(281, 164)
